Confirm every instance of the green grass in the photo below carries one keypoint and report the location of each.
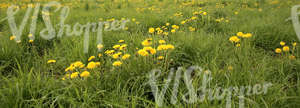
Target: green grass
(27, 80)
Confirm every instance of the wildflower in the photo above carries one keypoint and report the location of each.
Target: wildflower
(30, 41)
(99, 55)
(182, 22)
(91, 58)
(230, 68)
(121, 41)
(109, 52)
(161, 41)
(147, 42)
(51, 61)
(116, 56)
(78, 64)
(240, 34)
(12, 37)
(157, 29)
(85, 74)
(91, 65)
(99, 46)
(150, 50)
(98, 63)
(30, 35)
(74, 75)
(125, 56)
(175, 27)
(166, 33)
(278, 50)
(160, 31)
(192, 29)
(133, 19)
(247, 35)
(204, 13)
(160, 57)
(234, 39)
(292, 57)
(286, 48)
(167, 24)
(294, 44)
(238, 45)
(173, 31)
(236, 13)
(117, 63)
(116, 46)
(282, 43)
(122, 47)
(70, 68)
(151, 30)
(143, 52)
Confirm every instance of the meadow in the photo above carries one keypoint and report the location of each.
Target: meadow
(238, 42)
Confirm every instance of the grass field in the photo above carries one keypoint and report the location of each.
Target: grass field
(241, 43)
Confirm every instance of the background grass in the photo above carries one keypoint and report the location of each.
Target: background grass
(26, 80)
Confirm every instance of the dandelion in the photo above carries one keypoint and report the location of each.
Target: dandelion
(286, 48)
(238, 45)
(278, 50)
(121, 41)
(12, 37)
(100, 55)
(292, 57)
(161, 41)
(182, 22)
(78, 64)
(282, 43)
(91, 65)
(85, 74)
(117, 55)
(204, 13)
(240, 34)
(122, 47)
(236, 13)
(166, 33)
(147, 42)
(230, 68)
(167, 24)
(51, 61)
(125, 56)
(99, 46)
(143, 52)
(247, 35)
(192, 29)
(30, 35)
(74, 75)
(151, 30)
(117, 63)
(91, 58)
(116, 46)
(294, 44)
(160, 57)
(234, 39)
(150, 50)
(30, 41)
(173, 31)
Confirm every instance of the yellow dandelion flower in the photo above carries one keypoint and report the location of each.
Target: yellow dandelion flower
(51, 61)
(151, 30)
(161, 41)
(294, 44)
(143, 52)
(173, 31)
(85, 74)
(147, 42)
(150, 50)
(99, 46)
(91, 65)
(12, 37)
(100, 55)
(167, 24)
(117, 63)
(286, 48)
(278, 50)
(234, 39)
(240, 34)
(121, 41)
(292, 57)
(116, 46)
(91, 58)
(160, 57)
(74, 75)
(192, 29)
(125, 56)
(282, 43)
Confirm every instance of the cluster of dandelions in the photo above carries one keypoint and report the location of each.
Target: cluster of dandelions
(236, 40)
(286, 50)
(118, 53)
(155, 50)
